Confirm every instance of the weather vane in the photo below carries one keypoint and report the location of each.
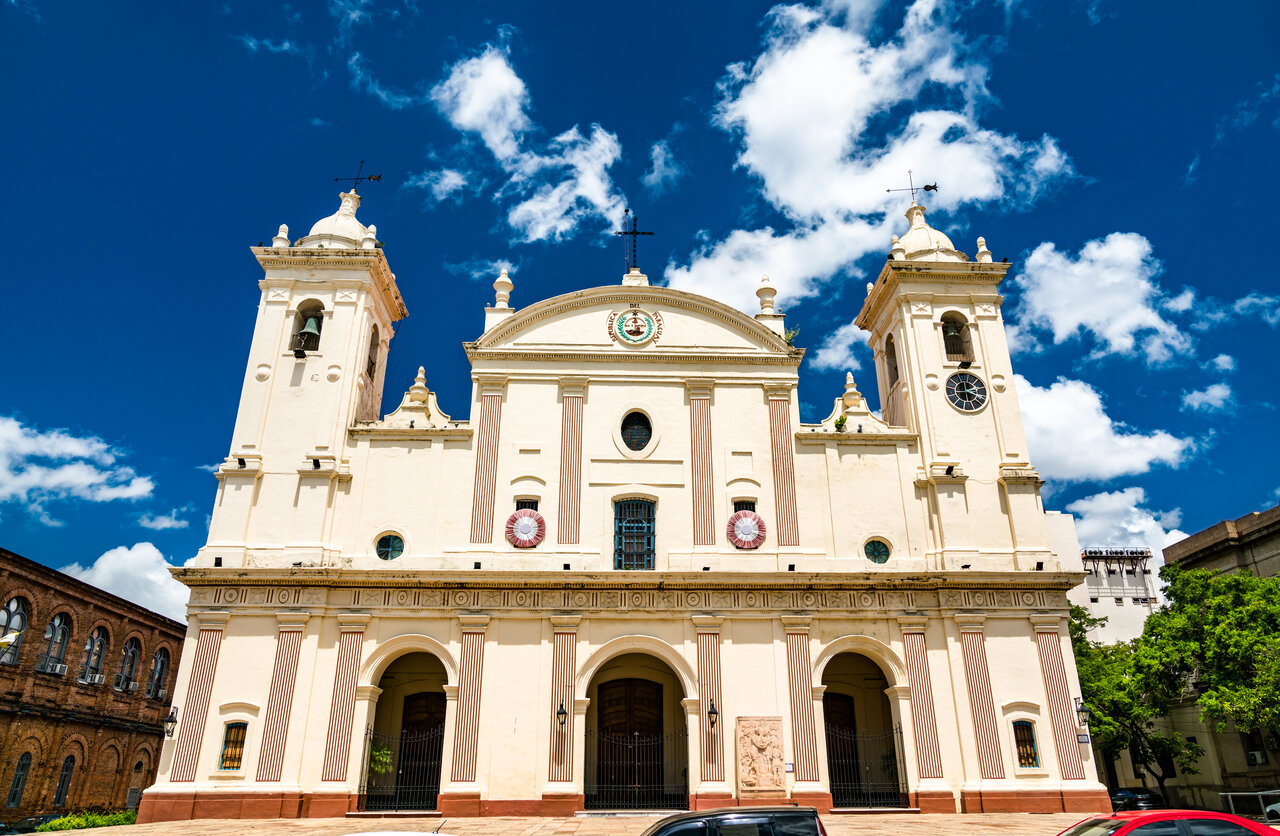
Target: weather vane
(355, 181)
(913, 188)
(629, 233)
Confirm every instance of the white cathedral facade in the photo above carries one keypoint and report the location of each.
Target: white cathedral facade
(631, 578)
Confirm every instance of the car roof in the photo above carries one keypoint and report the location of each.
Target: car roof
(725, 812)
(1131, 815)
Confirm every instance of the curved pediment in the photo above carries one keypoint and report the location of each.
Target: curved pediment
(664, 321)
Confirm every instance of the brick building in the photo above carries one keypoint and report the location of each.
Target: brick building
(84, 691)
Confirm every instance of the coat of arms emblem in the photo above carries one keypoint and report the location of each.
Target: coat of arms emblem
(634, 326)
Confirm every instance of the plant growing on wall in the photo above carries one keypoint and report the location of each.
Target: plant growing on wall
(840, 422)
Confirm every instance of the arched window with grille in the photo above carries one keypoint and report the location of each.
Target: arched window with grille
(13, 622)
(159, 673)
(19, 780)
(57, 634)
(127, 679)
(1024, 738)
(634, 534)
(64, 781)
(956, 340)
(94, 650)
(891, 361)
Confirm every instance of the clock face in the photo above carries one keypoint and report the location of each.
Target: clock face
(966, 392)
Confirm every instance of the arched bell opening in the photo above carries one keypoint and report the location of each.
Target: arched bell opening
(864, 745)
(405, 744)
(637, 752)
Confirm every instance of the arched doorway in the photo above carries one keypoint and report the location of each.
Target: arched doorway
(405, 745)
(637, 751)
(864, 745)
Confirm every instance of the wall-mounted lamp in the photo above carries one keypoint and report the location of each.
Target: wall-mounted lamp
(171, 722)
(561, 715)
(1083, 712)
(712, 714)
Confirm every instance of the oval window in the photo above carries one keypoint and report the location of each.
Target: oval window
(390, 546)
(636, 431)
(877, 551)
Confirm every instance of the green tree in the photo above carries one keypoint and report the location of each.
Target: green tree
(1125, 705)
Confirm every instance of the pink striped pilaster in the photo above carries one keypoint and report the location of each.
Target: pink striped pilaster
(284, 676)
(804, 738)
(486, 452)
(568, 518)
(466, 726)
(981, 701)
(704, 522)
(196, 712)
(1060, 712)
(781, 444)
(924, 721)
(342, 705)
(564, 651)
(708, 692)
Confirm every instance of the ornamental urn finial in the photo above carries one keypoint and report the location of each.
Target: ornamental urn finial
(766, 293)
(502, 287)
(418, 392)
(282, 236)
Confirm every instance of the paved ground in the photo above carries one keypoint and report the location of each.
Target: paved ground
(1013, 824)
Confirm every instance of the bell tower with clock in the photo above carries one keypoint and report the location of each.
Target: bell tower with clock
(944, 373)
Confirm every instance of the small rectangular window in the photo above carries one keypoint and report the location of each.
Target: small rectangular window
(522, 504)
(1093, 600)
(744, 505)
(1139, 601)
(233, 746)
(1024, 736)
(1119, 602)
(1129, 571)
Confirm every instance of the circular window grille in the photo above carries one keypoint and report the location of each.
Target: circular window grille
(746, 530)
(390, 546)
(877, 551)
(636, 431)
(526, 528)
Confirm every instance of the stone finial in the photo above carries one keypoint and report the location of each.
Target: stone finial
(897, 252)
(502, 288)
(984, 254)
(766, 293)
(418, 392)
(851, 394)
(634, 278)
(370, 240)
(870, 287)
(282, 236)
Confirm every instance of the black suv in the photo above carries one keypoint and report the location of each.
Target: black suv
(742, 821)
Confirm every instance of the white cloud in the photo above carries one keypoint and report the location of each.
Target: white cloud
(441, 184)
(1224, 363)
(349, 14)
(163, 522)
(583, 190)
(317, 122)
(1216, 397)
(1021, 340)
(38, 467)
(1072, 439)
(137, 573)
(481, 269)
(1107, 290)
(484, 95)
(837, 350)
(664, 170)
(285, 47)
(809, 140)
(1247, 111)
(1118, 519)
(362, 78)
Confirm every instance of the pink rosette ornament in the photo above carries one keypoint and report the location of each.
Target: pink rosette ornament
(526, 528)
(746, 530)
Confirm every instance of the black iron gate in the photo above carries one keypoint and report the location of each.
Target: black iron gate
(636, 771)
(866, 770)
(402, 770)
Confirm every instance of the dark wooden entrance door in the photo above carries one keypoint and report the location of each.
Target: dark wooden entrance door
(421, 748)
(865, 768)
(631, 749)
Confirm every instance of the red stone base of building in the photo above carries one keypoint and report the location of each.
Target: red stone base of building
(934, 801)
(1035, 801)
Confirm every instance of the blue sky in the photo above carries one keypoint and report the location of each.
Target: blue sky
(1121, 154)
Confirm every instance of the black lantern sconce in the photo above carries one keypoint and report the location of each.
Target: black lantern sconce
(1083, 712)
(712, 714)
(561, 715)
(171, 722)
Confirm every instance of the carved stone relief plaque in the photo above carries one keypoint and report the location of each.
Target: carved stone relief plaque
(761, 772)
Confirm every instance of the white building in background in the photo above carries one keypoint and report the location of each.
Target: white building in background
(631, 578)
(1120, 585)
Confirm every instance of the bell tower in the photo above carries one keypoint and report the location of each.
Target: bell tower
(316, 364)
(944, 372)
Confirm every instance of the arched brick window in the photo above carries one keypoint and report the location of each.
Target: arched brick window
(94, 649)
(19, 780)
(127, 679)
(57, 634)
(64, 781)
(159, 673)
(13, 620)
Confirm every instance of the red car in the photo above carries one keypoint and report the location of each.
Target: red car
(1168, 823)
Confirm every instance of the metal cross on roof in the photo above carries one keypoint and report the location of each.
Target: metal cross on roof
(629, 233)
(355, 181)
(914, 188)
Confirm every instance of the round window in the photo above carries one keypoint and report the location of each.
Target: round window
(877, 551)
(390, 546)
(636, 431)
